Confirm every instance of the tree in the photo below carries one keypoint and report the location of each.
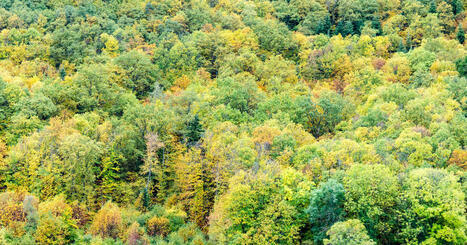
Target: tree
(397, 68)
(275, 37)
(139, 74)
(67, 44)
(111, 44)
(134, 235)
(80, 157)
(326, 208)
(110, 178)
(435, 208)
(196, 177)
(350, 232)
(154, 167)
(194, 130)
(322, 116)
(316, 21)
(5, 109)
(108, 221)
(353, 14)
(460, 34)
(446, 17)
(457, 6)
(371, 196)
(55, 225)
(158, 226)
(37, 105)
(30, 204)
(53, 230)
(461, 66)
(63, 159)
(267, 206)
(139, 120)
(432, 7)
(92, 88)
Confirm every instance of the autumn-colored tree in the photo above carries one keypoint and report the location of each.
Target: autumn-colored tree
(108, 221)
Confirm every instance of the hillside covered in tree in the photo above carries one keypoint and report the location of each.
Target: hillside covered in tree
(233, 122)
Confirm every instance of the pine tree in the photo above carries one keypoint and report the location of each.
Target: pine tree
(195, 130)
(457, 6)
(345, 28)
(433, 6)
(149, 8)
(62, 73)
(324, 25)
(461, 66)
(146, 199)
(460, 34)
(401, 47)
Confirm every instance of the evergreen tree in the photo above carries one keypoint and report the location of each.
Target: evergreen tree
(62, 73)
(149, 8)
(324, 25)
(461, 66)
(195, 130)
(433, 6)
(457, 6)
(460, 34)
(326, 208)
(146, 198)
(345, 28)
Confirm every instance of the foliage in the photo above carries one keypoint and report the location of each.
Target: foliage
(108, 221)
(351, 231)
(371, 195)
(434, 198)
(326, 208)
(211, 121)
(256, 210)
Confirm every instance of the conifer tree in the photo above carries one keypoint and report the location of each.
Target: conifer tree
(195, 130)
(460, 34)
(433, 6)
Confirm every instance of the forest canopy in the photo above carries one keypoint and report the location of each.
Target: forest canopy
(233, 122)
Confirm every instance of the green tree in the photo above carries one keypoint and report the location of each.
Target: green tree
(460, 34)
(263, 207)
(350, 232)
(139, 74)
(68, 44)
(435, 208)
(461, 66)
(194, 130)
(322, 116)
(37, 105)
(80, 158)
(371, 196)
(326, 208)
(5, 107)
(275, 37)
(197, 183)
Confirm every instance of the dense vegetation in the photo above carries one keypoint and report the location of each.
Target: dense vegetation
(233, 122)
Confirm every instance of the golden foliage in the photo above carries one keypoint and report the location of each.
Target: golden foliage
(108, 221)
(459, 158)
(11, 210)
(158, 226)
